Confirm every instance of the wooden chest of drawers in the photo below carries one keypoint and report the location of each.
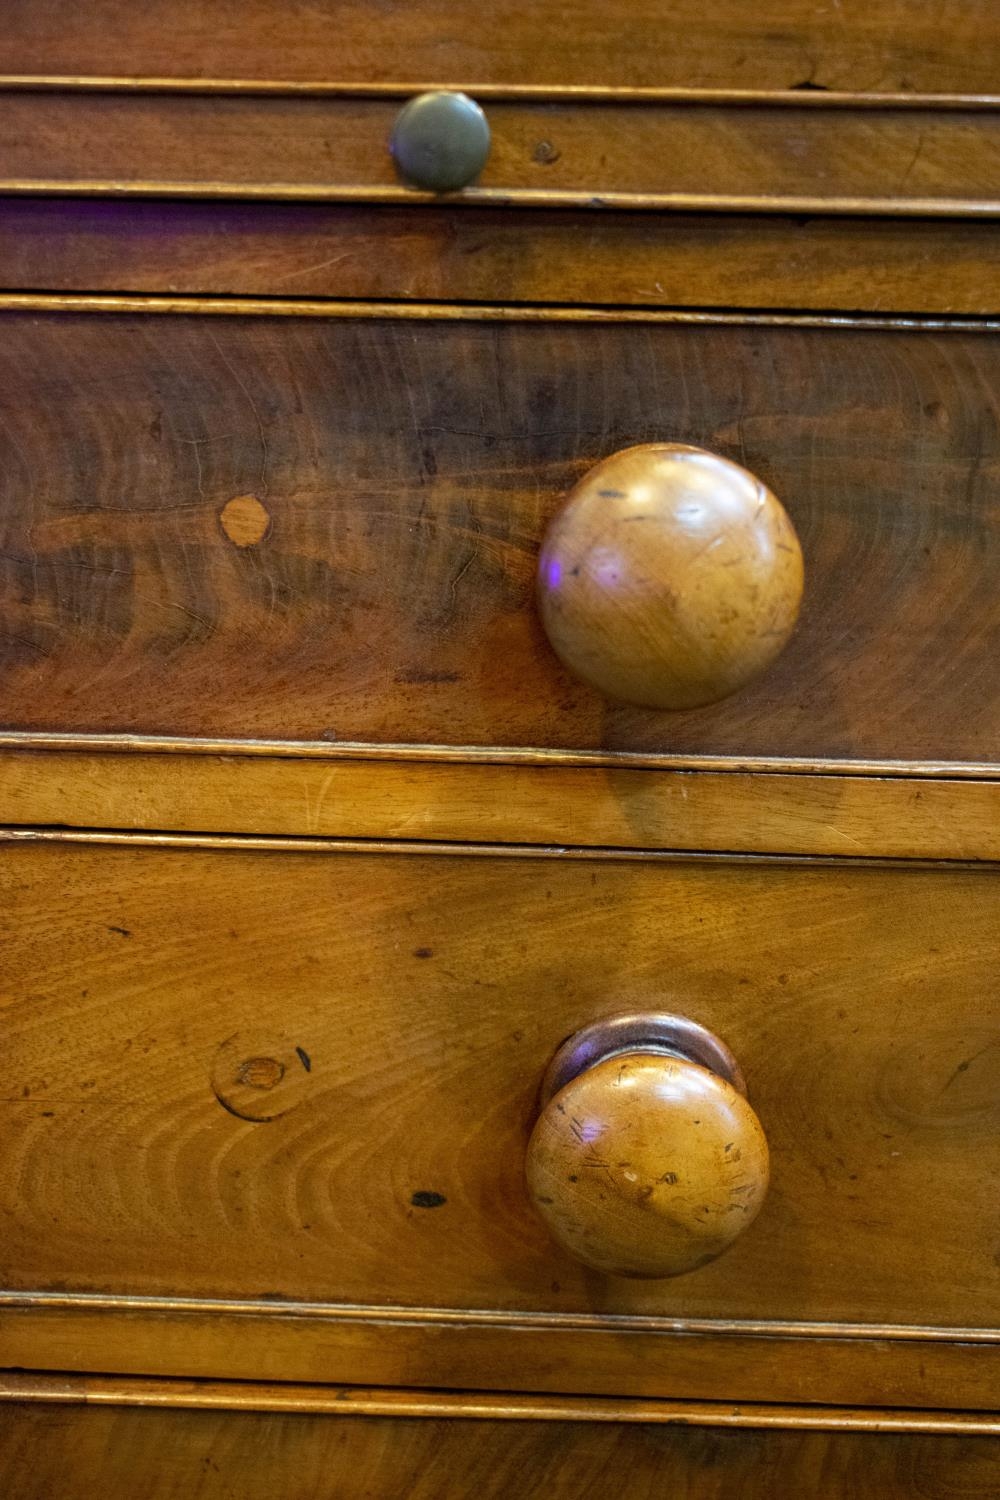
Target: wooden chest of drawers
(386, 971)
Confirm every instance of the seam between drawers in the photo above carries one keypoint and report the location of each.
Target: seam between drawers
(354, 1401)
(481, 1317)
(555, 757)
(229, 306)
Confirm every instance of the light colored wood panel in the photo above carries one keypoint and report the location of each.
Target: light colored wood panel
(427, 996)
(728, 811)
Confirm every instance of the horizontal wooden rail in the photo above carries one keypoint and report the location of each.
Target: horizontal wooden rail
(480, 802)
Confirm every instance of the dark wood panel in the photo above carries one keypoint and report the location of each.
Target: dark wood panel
(777, 158)
(487, 255)
(75, 1452)
(892, 44)
(379, 584)
(857, 1002)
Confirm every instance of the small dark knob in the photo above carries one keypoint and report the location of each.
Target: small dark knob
(440, 141)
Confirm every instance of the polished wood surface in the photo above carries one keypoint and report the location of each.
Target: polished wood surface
(481, 255)
(396, 1174)
(767, 158)
(408, 470)
(669, 578)
(316, 857)
(617, 1108)
(208, 1455)
(881, 47)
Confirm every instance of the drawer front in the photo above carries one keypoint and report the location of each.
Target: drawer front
(609, 43)
(266, 1076)
(73, 1451)
(778, 157)
(882, 266)
(310, 528)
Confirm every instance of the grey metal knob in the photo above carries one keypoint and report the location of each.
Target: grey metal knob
(440, 141)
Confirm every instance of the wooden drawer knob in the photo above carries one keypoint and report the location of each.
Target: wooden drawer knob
(646, 1158)
(670, 578)
(440, 141)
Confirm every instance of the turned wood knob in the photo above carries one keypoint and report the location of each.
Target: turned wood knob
(646, 1158)
(440, 141)
(670, 577)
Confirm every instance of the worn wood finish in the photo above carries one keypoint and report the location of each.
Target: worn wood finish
(762, 158)
(669, 578)
(727, 811)
(891, 45)
(481, 255)
(208, 1455)
(408, 470)
(395, 1171)
(596, 1158)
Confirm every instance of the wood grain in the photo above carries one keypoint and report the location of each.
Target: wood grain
(408, 470)
(481, 255)
(208, 1455)
(766, 158)
(856, 1000)
(885, 46)
(748, 812)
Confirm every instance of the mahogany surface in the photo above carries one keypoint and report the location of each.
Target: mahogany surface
(772, 156)
(891, 45)
(873, 265)
(408, 467)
